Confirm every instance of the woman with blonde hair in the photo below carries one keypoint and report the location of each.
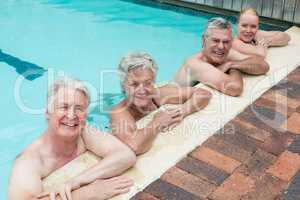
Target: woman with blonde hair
(252, 41)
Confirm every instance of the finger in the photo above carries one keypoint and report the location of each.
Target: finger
(68, 192)
(122, 191)
(52, 195)
(44, 194)
(63, 195)
(173, 126)
(123, 185)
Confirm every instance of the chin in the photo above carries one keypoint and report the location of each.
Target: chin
(141, 102)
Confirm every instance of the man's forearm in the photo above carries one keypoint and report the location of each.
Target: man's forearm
(198, 101)
(253, 65)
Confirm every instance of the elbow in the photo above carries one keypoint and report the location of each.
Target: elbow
(203, 97)
(233, 89)
(265, 67)
(128, 157)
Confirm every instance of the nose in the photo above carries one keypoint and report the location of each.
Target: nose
(248, 29)
(221, 45)
(71, 114)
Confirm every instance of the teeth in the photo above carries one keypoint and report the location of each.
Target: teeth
(71, 125)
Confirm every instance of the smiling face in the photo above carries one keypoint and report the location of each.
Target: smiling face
(247, 26)
(216, 45)
(67, 118)
(139, 86)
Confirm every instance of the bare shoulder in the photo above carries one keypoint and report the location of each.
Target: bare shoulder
(25, 181)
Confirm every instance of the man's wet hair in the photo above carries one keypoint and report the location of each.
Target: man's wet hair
(216, 23)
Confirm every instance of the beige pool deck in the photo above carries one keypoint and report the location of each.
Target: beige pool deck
(237, 148)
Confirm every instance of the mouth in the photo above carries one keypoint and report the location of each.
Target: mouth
(219, 53)
(70, 124)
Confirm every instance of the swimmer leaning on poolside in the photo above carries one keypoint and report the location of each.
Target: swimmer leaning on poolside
(252, 41)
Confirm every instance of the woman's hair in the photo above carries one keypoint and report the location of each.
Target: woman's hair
(248, 10)
(133, 61)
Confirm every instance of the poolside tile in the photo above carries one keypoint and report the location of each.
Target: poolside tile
(294, 76)
(277, 143)
(295, 146)
(188, 182)
(260, 121)
(257, 164)
(283, 109)
(250, 130)
(234, 188)
(216, 159)
(286, 166)
(164, 190)
(280, 98)
(266, 187)
(293, 191)
(202, 170)
(288, 88)
(227, 148)
(292, 124)
(143, 196)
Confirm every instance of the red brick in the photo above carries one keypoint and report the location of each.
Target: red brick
(293, 123)
(143, 196)
(276, 96)
(284, 109)
(250, 130)
(216, 159)
(234, 188)
(286, 166)
(188, 182)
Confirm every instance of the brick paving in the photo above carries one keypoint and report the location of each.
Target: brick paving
(255, 156)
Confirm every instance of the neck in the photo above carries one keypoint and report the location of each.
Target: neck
(59, 146)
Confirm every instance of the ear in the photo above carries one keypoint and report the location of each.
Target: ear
(203, 41)
(47, 114)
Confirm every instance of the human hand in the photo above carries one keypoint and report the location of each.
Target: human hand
(225, 66)
(168, 118)
(64, 192)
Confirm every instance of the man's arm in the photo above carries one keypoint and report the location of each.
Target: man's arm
(249, 49)
(25, 181)
(116, 157)
(274, 38)
(140, 140)
(230, 84)
(255, 65)
(191, 98)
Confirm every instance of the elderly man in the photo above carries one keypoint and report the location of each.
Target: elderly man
(252, 41)
(66, 137)
(217, 65)
(137, 73)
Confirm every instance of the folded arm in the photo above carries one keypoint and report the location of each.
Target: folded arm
(255, 65)
(230, 84)
(116, 157)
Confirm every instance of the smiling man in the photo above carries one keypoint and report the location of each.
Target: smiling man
(66, 137)
(217, 65)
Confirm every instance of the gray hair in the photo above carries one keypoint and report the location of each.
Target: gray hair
(65, 82)
(134, 61)
(216, 23)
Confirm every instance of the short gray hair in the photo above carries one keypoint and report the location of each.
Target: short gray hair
(133, 61)
(65, 82)
(216, 23)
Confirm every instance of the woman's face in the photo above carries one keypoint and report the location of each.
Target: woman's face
(139, 86)
(247, 27)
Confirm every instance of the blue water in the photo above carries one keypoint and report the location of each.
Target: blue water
(44, 39)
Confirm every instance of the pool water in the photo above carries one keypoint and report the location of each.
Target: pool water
(41, 40)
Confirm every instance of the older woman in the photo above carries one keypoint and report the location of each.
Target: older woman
(137, 73)
(251, 40)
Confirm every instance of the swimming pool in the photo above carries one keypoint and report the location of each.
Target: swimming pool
(83, 39)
